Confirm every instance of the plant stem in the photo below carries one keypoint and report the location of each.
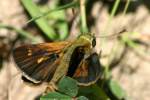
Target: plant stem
(114, 9)
(84, 28)
(72, 4)
(126, 7)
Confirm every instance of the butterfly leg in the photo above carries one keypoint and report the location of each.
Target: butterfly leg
(51, 87)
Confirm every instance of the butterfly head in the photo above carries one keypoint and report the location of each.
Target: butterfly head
(89, 38)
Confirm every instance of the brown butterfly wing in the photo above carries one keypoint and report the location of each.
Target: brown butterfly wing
(89, 70)
(39, 62)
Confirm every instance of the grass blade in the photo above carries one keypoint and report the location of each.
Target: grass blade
(34, 11)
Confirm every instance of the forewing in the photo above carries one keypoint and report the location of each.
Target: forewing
(39, 62)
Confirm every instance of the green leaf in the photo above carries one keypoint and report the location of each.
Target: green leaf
(85, 90)
(94, 92)
(60, 23)
(34, 11)
(82, 98)
(55, 96)
(68, 86)
(99, 92)
(63, 29)
(116, 90)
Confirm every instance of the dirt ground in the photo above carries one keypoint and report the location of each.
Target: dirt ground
(132, 72)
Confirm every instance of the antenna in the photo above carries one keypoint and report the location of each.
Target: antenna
(112, 35)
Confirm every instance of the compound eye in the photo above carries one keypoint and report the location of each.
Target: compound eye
(94, 42)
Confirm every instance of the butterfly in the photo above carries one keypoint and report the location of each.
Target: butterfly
(48, 62)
